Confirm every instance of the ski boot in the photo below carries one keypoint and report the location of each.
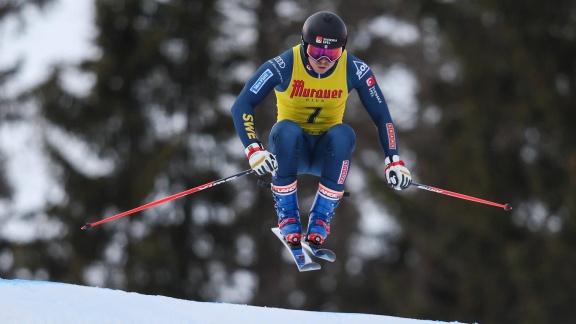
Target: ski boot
(288, 213)
(320, 215)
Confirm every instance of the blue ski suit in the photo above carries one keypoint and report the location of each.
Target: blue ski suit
(309, 136)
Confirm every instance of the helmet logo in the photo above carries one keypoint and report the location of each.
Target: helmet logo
(325, 41)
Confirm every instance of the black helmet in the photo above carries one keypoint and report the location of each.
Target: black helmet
(324, 29)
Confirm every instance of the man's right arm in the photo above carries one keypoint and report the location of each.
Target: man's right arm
(269, 75)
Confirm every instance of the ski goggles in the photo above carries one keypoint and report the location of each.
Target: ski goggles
(317, 53)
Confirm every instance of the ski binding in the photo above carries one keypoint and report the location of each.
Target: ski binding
(301, 258)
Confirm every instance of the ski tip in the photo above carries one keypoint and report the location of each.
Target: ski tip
(309, 267)
(321, 253)
(330, 257)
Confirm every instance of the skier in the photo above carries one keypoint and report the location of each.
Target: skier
(312, 81)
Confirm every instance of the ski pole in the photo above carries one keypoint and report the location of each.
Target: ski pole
(163, 200)
(506, 207)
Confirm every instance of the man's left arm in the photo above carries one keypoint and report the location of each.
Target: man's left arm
(371, 96)
(375, 104)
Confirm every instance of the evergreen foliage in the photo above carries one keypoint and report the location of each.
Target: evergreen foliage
(495, 86)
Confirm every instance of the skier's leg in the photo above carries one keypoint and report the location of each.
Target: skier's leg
(336, 149)
(285, 141)
(286, 138)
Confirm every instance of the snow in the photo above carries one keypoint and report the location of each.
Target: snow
(26, 301)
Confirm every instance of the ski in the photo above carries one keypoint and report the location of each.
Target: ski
(321, 253)
(301, 258)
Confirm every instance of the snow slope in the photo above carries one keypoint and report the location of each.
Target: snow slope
(23, 301)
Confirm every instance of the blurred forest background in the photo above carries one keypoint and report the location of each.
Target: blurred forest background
(483, 94)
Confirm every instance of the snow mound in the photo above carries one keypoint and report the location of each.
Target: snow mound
(25, 301)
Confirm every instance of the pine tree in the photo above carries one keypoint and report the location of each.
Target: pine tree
(504, 103)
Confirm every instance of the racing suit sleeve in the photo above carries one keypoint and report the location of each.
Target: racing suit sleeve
(363, 80)
(268, 76)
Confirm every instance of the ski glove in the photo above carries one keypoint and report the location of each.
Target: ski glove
(261, 160)
(397, 174)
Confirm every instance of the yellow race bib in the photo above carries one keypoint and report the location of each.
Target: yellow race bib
(315, 104)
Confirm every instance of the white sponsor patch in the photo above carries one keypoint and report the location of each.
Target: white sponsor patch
(280, 62)
(343, 171)
(265, 76)
(391, 136)
(361, 69)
